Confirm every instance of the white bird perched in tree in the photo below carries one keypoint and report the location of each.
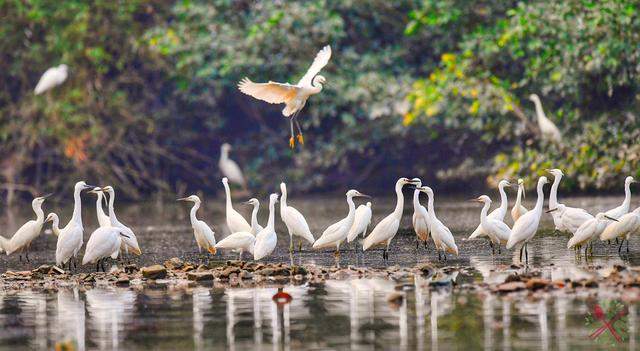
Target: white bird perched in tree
(230, 168)
(336, 233)
(498, 213)
(548, 129)
(267, 239)
(420, 219)
(129, 240)
(294, 96)
(441, 235)
(293, 220)
(626, 203)
(497, 231)
(51, 78)
(104, 242)
(565, 218)
(625, 226)
(361, 222)
(235, 221)
(385, 230)
(240, 242)
(71, 236)
(588, 231)
(255, 226)
(205, 237)
(21, 240)
(518, 210)
(526, 226)
(103, 219)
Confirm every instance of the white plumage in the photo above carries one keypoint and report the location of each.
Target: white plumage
(526, 226)
(518, 210)
(498, 213)
(21, 240)
(441, 235)
(565, 218)
(240, 242)
(229, 167)
(103, 219)
(361, 222)
(625, 226)
(548, 129)
(267, 239)
(336, 233)
(626, 203)
(420, 219)
(235, 221)
(255, 226)
(294, 221)
(51, 78)
(129, 239)
(497, 231)
(588, 231)
(104, 242)
(70, 238)
(205, 237)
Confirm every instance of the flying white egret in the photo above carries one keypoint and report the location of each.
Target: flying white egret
(441, 235)
(361, 222)
(205, 237)
(588, 231)
(235, 221)
(420, 219)
(336, 233)
(51, 78)
(385, 230)
(293, 220)
(104, 242)
(70, 239)
(103, 219)
(294, 96)
(498, 213)
(267, 239)
(129, 240)
(255, 226)
(565, 218)
(240, 242)
(230, 168)
(624, 207)
(625, 226)
(21, 240)
(518, 210)
(497, 231)
(526, 226)
(548, 129)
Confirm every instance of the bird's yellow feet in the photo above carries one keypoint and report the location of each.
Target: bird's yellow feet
(300, 139)
(292, 142)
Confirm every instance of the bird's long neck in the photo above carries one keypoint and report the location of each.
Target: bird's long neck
(627, 196)
(99, 208)
(539, 110)
(483, 213)
(352, 209)
(504, 202)
(112, 212)
(540, 200)
(272, 213)
(283, 200)
(553, 196)
(519, 195)
(77, 207)
(224, 154)
(416, 200)
(37, 208)
(55, 226)
(254, 217)
(227, 191)
(192, 214)
(399, 201)
(431, 211)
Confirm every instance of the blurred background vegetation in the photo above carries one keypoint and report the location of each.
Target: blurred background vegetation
(437, 89)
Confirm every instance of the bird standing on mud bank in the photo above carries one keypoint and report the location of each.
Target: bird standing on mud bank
(21, 240)
(205, 237)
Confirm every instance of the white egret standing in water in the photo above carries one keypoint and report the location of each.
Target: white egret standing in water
(230, 168)
(386, 229)
(497, 231)
(235, 221)
(548, 129)
(205, 237)
(294, 96)
(51, 78)
(129, 241)
(267, 239)
(21, 240)
(625, 226)
(71, 238)
(498, 213)
(336, 233)
(626, 203)
(255, 226)
(565, 218)
(441, 235)
(518, 210)
(240, 242)
(361, 222)
(420, 219)
(526, 226)
(588, 231)
(103, 219)
(294, 220)
(104, 242)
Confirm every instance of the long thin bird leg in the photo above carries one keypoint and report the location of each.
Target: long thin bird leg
(627, 245)
(493, 250)
(526, 252)
(98, 265)
(300, 138)
(300, 245)
(291, 243)
(619, 247)
(521, 248)
(292, 141)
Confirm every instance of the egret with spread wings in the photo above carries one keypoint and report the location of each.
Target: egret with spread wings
(294, 96)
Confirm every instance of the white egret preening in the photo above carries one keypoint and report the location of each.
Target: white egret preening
(104, 242)
(386, 229)
(518, 209)
(497, 231)
(361, 222)
(565, 218)
(21, 240)
(103, 219)
(267, 239)
(588, 231)
(235, 221)
(205, 237)
(498, 213)
(230, 168)
(240, 242)
(548, 129)
(129, 240)
(255, 226)
(51, 78)
(526, 226)
(441, 235)
(625, 226)
(420, 219)
(336, 233)
(293, 95)
(293, 220)
(71, 236)
(626, 203)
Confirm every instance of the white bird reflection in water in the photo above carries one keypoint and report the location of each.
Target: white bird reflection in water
(70, 319)
(201, 304)
(110, 311)
(34, 311)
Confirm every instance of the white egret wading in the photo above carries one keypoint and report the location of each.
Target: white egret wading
(293, 95)
(588, 231)
(420, 219)
(518, 210)
(336, 233)
(548, 129)
(230, 168)
(240, 242)
(497, 231)
(565, 218)
(526, 226)
(498, 213)
(235, 221)
(386, 229)
(441, 235)
(24, 236)
(129, 240)
(293, 220)
(625, 226)
(255, 226)
(71, 236)
(104, 242)
(626, 203)
(267, 239)
(361, 222)
(51, 78)
(205, 237)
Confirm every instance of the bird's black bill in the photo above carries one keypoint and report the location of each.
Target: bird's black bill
(611, 218)
(551, 210)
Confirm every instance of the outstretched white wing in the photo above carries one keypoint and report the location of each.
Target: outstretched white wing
(271, 92)
(321, 60)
